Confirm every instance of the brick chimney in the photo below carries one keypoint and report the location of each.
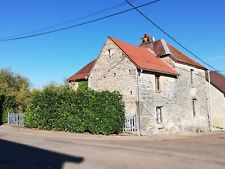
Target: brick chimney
(147, 42)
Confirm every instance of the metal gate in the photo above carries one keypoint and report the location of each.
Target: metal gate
(130, 123)
(16, 119)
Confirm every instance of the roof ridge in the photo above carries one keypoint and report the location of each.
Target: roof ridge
(185, 55)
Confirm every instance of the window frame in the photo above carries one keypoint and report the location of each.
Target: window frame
(157, 83)
(194, 107)
(192, 77)
(158, 114)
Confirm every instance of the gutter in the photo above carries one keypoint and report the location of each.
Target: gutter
(138, 103)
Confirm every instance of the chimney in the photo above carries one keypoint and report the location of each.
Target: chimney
(147, 41)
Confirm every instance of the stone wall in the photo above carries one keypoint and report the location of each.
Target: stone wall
(175, 97)
(217, 104)
(73, 85)
(187, 91)
(113, 71)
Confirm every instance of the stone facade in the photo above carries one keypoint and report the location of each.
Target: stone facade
(113, 71)
(182, 99)
(175, 98)
(74, 85)
(217, 107)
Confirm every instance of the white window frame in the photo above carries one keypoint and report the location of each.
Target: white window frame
(158, 114)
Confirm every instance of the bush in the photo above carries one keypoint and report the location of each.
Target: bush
(7, 104)
(84, 110)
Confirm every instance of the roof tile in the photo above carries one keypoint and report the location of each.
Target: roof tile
(180, 57)
(82, 73)
(144, 58)
(217, 80)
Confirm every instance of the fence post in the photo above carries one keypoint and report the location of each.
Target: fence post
(8, 118)
(18, 119)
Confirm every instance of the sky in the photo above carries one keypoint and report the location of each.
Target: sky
(198, 24)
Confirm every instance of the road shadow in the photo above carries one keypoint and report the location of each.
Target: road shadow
(19, 156)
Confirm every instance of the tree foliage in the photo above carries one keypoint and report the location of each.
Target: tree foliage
(14, 93)
(84, 110)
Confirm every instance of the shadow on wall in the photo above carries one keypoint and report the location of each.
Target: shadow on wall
(19, 156)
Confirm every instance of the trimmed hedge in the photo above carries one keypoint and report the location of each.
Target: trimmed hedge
(84, 110)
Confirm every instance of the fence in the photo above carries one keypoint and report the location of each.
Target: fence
(130, 123)
(16, 119)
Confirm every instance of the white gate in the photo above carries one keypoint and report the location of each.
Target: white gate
(130, 123)
(16, 119)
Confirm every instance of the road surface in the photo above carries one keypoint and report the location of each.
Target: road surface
(34, 149)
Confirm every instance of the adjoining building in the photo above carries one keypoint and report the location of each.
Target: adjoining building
(217, 99)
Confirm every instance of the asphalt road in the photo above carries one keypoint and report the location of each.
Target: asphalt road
(33, 149)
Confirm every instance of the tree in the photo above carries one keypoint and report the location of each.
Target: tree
(14, 92)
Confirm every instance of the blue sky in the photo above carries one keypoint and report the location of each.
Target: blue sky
(199, 25)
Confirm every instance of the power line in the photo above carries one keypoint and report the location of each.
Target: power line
(66, 22)
(169, 35)
(76, 25)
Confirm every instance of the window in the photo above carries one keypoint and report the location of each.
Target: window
(159, 115)
(192, 80)
(157, 82)
(194, 107)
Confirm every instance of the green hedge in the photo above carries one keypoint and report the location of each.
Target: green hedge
(84, 110)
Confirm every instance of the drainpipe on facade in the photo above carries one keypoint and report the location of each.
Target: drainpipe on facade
(138, 103)
(209, 102)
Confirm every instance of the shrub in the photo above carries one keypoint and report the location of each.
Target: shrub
(61, 108)
(7, 104)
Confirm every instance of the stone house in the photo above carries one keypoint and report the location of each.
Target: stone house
(217, 99)
(163, 90)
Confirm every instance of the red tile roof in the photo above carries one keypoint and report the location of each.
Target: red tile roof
(144, 58)
(83, 73)
(217, 80)
(159, 48)
(180, 57)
